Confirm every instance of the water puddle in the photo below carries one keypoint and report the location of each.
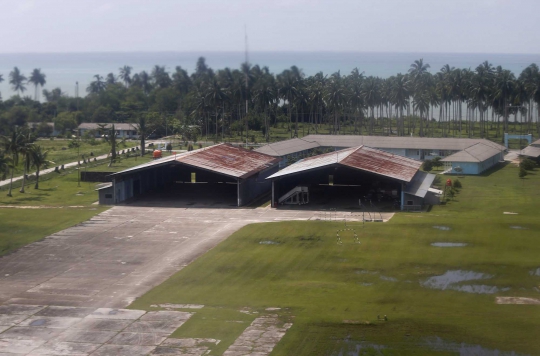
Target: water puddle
(390, 279)
(39, 322)
(363, 271)
(354, 348)
(449, 244)
(463, 349)
(451, 278)
(535, 272)
(437, 344)
(268, 243)
(443, 228)
(516, 227)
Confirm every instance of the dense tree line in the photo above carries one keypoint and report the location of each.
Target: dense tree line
(217, 103)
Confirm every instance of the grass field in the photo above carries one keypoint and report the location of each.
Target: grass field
(58, 204)
(334, 293)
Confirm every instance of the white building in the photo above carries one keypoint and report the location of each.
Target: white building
(123, 130)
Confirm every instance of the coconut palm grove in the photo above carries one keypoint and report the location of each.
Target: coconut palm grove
(225, 104)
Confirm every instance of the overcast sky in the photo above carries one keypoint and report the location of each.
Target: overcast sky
(481, 26)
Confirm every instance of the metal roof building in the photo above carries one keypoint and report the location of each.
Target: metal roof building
(123, 130)
(221, 170)
(419, 148)
(358, 173)
(531, 151)
(474, 159)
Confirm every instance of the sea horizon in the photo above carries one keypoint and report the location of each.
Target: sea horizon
(64, 69)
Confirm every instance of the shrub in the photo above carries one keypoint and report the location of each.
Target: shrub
(190, 147)
(168, 147)
(437, 162)
(527, 164)
(522, 172)
(428, 165)
(457, 184)
(200, 145)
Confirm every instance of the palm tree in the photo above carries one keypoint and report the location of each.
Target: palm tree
(17, 81)
(335, 97)
(265, 96)
(161, 77)
(111, 79)
(39, 160)
(143, 81)
(288, 90)
(216, 96)
(110, 137)
(142, 131)
(371, 96)
(97, 86)
(400, 94)
(5, 165)
(26, 151)
(503, 89)
(12, 146)
(125, 75)
(38, 79)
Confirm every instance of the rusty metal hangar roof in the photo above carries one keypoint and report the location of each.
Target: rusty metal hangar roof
(221, 158)
(361, 158)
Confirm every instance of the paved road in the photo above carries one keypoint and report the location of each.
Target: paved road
(121, 253)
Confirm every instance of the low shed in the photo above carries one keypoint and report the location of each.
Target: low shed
(222, 171)
(473, 160)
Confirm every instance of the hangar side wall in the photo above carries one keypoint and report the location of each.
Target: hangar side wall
(412, 202)
(255, 186)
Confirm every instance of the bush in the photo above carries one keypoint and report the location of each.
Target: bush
(522, 172)
(190, 147)
(527, 164)
(437, 162)
(200, 145)
(457, 184)
(168, 147)
(428, 165)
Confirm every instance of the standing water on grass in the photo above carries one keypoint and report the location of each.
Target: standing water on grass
(354, 348)
(448, 244)
(450, 278)
(443, 228)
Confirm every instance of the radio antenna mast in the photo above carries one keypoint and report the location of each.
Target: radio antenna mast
(246, 68)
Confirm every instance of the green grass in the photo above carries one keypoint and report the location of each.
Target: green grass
(323, 286)
(60, 153)
(19, 227)
(63, 204)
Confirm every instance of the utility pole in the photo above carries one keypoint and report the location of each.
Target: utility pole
(77, 95)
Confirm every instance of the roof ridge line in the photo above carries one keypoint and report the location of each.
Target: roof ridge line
(350, 153)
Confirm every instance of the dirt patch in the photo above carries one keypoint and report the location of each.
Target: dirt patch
(516, 300)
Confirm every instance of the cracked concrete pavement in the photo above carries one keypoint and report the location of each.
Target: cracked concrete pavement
(121, 253)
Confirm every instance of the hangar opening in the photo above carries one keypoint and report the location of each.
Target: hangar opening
(219, 174)
(357, 177)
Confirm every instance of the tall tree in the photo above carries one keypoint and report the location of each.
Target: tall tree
(25, 150)
(38, 79)
(125, 75)
(38, 158)
(12, 146)
(17, 81)
(97, 86)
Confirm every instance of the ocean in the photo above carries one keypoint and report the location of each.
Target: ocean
(65, 69)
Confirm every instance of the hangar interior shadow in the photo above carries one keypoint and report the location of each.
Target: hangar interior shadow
(178, 185)
(340, 187)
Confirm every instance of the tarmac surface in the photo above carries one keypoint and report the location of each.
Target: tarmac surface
(63, 295)
(120, 254)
